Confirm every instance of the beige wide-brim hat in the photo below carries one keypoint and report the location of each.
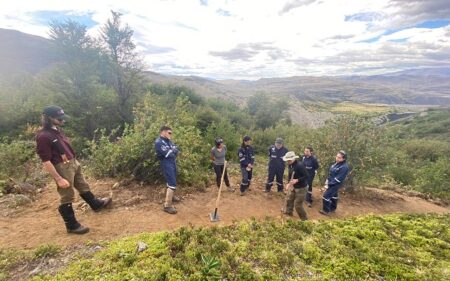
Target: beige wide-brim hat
(290, 156)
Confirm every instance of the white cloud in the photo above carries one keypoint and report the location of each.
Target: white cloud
(301, 37)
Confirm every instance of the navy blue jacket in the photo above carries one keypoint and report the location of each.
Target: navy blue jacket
(338, 173)
(166, 150)
(276, 157)
(311, 164)
(246, 156)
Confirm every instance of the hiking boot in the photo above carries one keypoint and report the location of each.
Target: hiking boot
(105, 203)
(283, 211)
(310, 204)
(79, 230)
(242, 193)
(324, 213)
(170, 210)
(96, 204)
(176, 199)
(68, 215)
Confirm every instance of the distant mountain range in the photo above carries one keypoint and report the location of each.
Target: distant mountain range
(20, 52)
(415, 87)
(23, 53)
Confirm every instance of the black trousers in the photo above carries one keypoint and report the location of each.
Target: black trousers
(275, 172)
(218, 169)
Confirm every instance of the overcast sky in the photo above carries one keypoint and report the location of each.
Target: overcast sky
(251, 39)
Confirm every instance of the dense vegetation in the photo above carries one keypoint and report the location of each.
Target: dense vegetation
(116, 115)
(393, 247)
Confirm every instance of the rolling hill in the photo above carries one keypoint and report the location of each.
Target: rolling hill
(23, 53)
(20, 52)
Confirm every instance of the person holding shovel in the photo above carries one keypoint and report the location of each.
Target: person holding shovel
(218, 153)
(58, 159)
(296, 188)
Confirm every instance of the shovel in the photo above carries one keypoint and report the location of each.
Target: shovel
(214, 217)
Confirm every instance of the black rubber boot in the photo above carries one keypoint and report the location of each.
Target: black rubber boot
(72, 225)
(95, 203)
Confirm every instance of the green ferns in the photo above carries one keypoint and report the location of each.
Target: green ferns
(393, 247)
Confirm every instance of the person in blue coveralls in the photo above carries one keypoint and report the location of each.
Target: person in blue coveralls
(246, 159)
(337, 174)
(276, 165)
(311, 165)
(167, 152)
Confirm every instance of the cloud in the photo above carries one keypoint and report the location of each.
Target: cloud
(149, 49)
(295, 4)
(411, 12)
(252, 38)
(247, 51)
(364, 16)
(45, 17)
(223, 13)
(238, 53)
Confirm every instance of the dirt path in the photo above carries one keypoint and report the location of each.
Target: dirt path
(138, 209)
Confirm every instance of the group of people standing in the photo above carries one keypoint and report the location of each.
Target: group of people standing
(301, 173)
(59, 160)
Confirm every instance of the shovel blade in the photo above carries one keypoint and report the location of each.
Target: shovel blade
(214, 217)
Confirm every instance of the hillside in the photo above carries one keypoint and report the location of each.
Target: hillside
(23, 53)
(20, 52)
(410, 87)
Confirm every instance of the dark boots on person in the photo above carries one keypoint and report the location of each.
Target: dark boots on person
(95, 203)
(68, 215)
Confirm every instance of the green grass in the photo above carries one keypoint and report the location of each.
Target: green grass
(393, 247)
(348, 107)
(432, 124)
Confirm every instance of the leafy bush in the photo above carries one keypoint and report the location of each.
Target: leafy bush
(434, 178)
(19, 163)
(134, 153)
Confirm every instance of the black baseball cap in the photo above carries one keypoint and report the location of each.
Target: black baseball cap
(247, 138)
(55, 111)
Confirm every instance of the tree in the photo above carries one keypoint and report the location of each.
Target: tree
(124, 71)
(77, 78)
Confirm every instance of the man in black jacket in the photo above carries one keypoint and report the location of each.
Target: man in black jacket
(296, 188)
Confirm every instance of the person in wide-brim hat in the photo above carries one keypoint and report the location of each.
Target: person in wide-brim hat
(296, 191)
(290, 156)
